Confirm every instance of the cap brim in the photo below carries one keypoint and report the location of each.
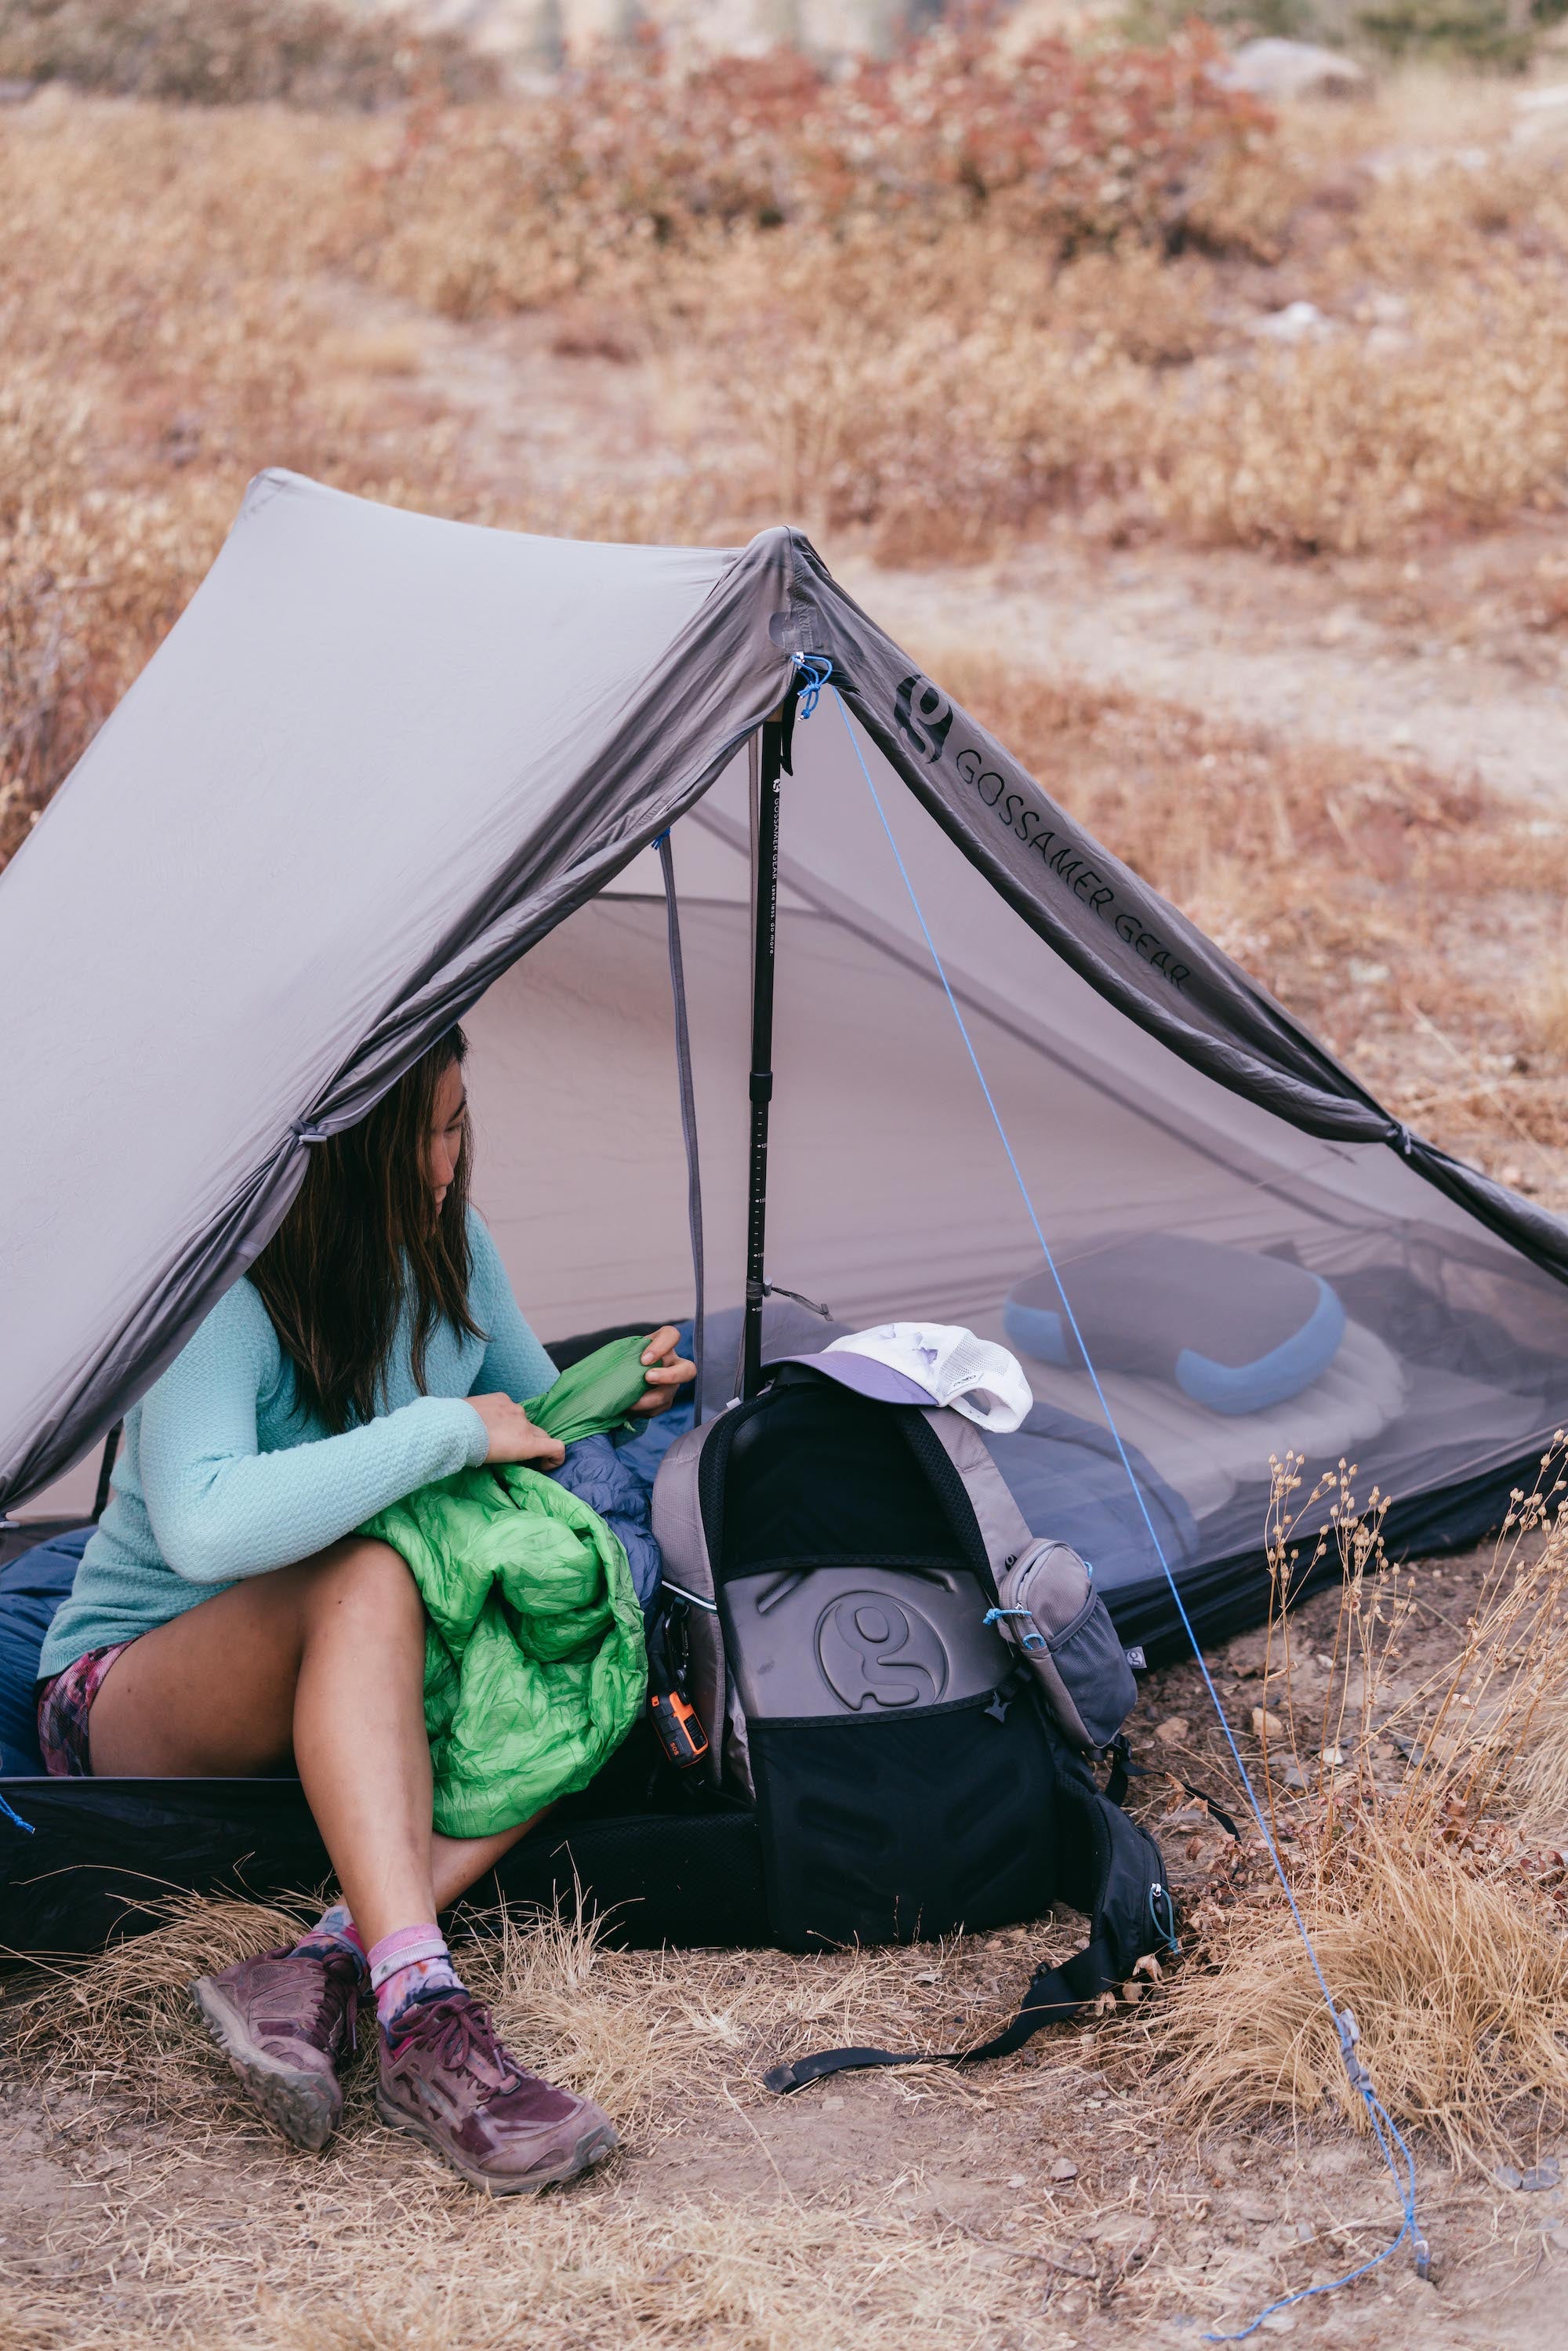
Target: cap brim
(866, 1376)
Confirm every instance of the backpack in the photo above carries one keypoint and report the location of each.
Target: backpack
(906, 1685)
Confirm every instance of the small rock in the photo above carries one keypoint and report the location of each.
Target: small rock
(1287, 69)
(1541, 2175)
(1293, 324)
(1295, 1777)
(1063, 2168)
(1251, 2208)
(1018, 2181)
(1334, 1755)
(1507, 2176)
(1266, 1726)
(1173, 1731)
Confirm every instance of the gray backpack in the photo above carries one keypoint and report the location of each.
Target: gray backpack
(903, 1683)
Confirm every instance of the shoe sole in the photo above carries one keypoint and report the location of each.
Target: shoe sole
(598, 2142)
(303, 2106)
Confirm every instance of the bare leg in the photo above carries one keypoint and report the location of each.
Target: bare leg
(324, 1660)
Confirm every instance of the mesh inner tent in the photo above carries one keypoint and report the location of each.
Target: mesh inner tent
(1244, 1289)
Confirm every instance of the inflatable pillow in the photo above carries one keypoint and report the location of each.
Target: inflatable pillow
(1234, 1331)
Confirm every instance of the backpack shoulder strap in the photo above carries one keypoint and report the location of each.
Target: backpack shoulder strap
(1116, 1876)
(1003, 1529)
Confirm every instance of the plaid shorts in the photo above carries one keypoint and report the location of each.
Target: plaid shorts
(65, 1701)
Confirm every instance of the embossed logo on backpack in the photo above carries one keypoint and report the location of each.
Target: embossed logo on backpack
(878, 1651)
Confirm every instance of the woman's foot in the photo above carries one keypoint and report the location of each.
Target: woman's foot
(446, 2078)
(284, 2022)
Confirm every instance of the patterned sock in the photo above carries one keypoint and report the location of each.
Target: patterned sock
(410, 1965)
(334, 1935)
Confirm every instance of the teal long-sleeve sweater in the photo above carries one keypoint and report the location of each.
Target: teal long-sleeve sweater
(221, 1475)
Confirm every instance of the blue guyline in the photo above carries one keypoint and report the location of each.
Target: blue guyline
(818, 672)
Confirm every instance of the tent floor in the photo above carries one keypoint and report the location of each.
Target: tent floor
(103, 1850)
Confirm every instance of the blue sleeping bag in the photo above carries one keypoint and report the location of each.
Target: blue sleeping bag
(32, 1587)
(603, 1476)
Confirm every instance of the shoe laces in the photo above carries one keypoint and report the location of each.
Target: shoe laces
(460, 2029)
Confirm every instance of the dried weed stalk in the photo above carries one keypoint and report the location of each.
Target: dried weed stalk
(1407, 1813)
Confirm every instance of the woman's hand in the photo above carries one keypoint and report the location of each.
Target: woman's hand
(513, 1436)
(669, 1371)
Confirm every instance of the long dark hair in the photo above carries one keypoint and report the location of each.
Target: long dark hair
(362, 1238)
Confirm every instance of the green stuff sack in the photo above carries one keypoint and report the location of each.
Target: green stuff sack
(596, 1395)
(535, 1667)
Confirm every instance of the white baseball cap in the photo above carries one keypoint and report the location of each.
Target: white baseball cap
(928, 1363)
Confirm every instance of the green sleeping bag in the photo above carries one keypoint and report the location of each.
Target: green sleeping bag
(535, 1668)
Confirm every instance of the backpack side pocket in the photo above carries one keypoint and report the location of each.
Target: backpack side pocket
(1056, 1620)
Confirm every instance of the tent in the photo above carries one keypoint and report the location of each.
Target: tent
(388, 771)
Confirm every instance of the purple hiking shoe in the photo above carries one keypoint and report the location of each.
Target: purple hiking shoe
(284, 2022)
(448, 2080)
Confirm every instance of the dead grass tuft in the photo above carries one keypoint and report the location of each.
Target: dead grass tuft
(1459, 1989)
(1437, 1915)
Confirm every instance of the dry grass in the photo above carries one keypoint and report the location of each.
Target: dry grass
(646, 2032)
(234, 52)
(375, 2247)
(1409, 1819)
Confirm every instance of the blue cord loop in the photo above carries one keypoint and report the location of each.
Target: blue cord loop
(1162, 1910)
(817, 670)
(16, 1817)
(1383, 2129)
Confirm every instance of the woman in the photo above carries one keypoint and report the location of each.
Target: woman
(226, 1620)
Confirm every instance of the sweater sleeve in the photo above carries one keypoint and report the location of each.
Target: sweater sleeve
(220, 1509)
(514, 1362)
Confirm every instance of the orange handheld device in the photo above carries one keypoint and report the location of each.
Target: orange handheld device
(676, 1727)
(677, 1723)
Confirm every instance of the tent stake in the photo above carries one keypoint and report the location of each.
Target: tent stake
(764, 944)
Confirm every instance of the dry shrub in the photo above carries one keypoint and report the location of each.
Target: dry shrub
(640, 155)
(1436, 1916)
(235, 52)
(1343, 442)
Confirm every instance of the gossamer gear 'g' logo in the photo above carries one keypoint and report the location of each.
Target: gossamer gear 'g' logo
(924, 719)
(874, 1648)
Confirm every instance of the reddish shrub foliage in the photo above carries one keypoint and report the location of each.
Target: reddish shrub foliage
(1071, 150)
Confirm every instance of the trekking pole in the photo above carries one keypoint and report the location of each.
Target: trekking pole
(764, 946)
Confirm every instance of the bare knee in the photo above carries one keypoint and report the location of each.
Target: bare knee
(361, 1576)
